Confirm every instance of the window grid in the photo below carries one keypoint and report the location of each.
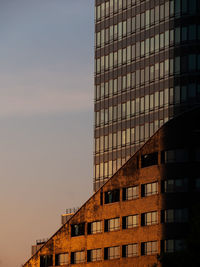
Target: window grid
(79, 256)
(131, 193)
(130, 221)
(150, 247)
(150, 218)
(112, 224)
(151, 189)
(130, 250)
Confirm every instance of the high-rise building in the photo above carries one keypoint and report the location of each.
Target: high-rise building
(147, 64)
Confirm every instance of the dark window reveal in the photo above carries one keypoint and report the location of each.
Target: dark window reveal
(46, 260)
(77, 229)
(149, 160)
(112, 196)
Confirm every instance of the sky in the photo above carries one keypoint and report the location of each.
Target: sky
(46, 118)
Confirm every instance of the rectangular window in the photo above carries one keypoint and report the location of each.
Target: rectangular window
(171, 245)
(137, 21)
(111, 225)
(112, 196)
(174, 216)
(152, 44)
(152, 16)
(95, 227)
(149, 189)
(149, 248)
(175, 185)
(77, 229)
(151, 73)
(147, 18)
(147, 46)
(94, 255)
(130, 250)
(149, 159)
(46, 260)
(171, 8)
(129, 222)
(77, 257)
(111, 253)
(142, 49)
(130, 193)
(61, 259)
(176, 155)
(157, 42)
(149, 218)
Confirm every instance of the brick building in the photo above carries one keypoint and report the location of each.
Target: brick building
(142, 212)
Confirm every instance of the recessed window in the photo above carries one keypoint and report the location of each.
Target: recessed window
(61, 259)
(77, 257)
(77, 229)
(174, 216)
(175, 185)
(95, 227)
(94, 255)
(130, 193)
(172, 245)
(111, 253)
(149, 189)
(130, 221)
(46, 260)
(112, 196)
(149, 218)
(130, 250)
(149, 160)
(176, 155)
(111, 225)
(149, 248)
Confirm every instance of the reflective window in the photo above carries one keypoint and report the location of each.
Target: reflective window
(149, 189)
(149, 248)
(149, 218)
(174, 216)
(94, 255)
(61, 259)
(130, 193)
(175, 185)
(111, 225)
(77, 257)
(172, 245)
(95, 227)
(129, 221)
(111, 253)
(130, 250)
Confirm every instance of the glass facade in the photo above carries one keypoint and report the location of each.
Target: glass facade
(147, 64)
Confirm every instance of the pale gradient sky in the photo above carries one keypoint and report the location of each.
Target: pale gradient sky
(46, 118)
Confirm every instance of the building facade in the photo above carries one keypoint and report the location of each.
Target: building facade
(147, 70)
(145, 213)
